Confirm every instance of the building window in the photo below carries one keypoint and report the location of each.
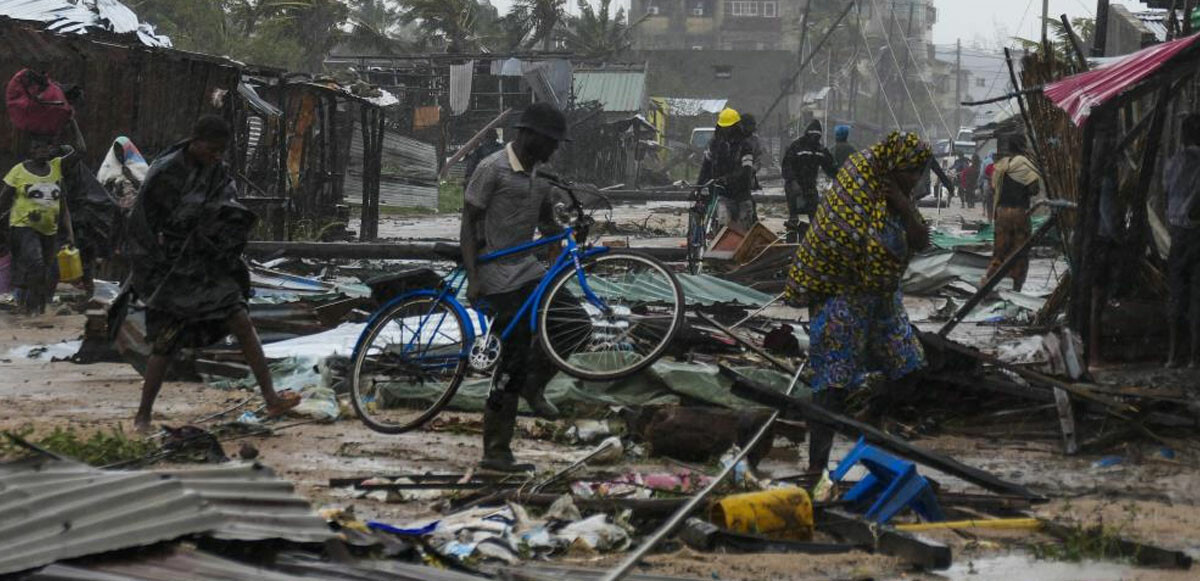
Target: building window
(742, 8)
(652, 8)
(723, 72)
(981, 82)
(698, 8)
(697, 47)
(770, 9)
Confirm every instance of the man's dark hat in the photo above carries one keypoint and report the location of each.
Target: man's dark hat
(545, 119)
(814, 127)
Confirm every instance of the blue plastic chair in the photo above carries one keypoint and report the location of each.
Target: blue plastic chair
(891, 485)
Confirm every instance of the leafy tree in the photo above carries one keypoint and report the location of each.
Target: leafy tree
(1060, 42)
(598, 34)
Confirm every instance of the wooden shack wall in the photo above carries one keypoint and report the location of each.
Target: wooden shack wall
(152, 96)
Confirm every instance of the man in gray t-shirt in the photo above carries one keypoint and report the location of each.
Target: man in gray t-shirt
(506, 204)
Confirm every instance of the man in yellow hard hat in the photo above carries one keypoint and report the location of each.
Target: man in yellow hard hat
(730, 160)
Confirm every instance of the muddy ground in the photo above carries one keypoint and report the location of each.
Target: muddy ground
(1146, 496)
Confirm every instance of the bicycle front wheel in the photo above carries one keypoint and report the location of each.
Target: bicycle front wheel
(634, 309)
(696, 241)
(408, 364)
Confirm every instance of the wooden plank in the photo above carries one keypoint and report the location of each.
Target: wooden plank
(752, 390)
(922, 552)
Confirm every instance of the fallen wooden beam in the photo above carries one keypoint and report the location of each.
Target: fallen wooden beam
(922, 552)
(393, 250)
(1113, 407)
(642, 196)
(750, 389)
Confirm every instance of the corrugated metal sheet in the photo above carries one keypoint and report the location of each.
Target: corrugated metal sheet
(1079, 94)
(616, 91)
(77, 17)
(192, 564)
(1155, 20)
(409, 177)
(52, 510)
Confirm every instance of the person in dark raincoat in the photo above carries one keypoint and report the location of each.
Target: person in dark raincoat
(184, 242)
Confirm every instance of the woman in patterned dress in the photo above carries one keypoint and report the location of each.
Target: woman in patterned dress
(847, 271)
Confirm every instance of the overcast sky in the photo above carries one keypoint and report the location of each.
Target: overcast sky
(990, 22)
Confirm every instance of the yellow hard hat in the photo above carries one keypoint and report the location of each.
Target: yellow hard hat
(728, 118)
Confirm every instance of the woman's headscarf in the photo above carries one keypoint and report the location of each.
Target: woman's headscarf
(123, 171)
(844, 251)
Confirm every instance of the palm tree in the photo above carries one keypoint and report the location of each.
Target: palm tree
(375, 25)
(594, 34)
(542, 16)
(454, 22)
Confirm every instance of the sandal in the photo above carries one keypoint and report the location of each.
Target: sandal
(288, 401)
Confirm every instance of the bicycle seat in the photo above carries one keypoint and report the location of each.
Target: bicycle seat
(451, 252)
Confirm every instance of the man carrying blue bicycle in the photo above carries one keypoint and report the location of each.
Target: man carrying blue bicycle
(506, 202)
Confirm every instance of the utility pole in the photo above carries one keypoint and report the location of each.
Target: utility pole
(1101, 40)
(908, 57)
(890, 47)
(1045, 23)
(957, 85)
(799, 85)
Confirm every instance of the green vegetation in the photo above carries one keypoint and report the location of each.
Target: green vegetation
(450, 198)
(99, 448)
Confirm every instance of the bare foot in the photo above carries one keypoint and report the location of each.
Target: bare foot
(1173, 364)
(142, 427)
(285, 402)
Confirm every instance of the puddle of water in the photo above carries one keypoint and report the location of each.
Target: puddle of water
(1012, 567)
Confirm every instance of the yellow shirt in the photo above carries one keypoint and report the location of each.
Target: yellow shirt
(37, 201)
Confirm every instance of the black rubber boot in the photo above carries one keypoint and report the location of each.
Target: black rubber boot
(534, 393)
(499, 423)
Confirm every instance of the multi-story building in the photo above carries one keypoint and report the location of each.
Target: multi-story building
(717, 24)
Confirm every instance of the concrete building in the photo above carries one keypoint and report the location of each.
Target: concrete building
(717, 24)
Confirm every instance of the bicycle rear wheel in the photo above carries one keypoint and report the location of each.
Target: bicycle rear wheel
(641, 311)
(408, 364)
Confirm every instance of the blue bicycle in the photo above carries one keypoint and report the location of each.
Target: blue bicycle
(599, 313)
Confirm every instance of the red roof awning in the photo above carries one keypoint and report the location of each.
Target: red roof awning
(1079, 94)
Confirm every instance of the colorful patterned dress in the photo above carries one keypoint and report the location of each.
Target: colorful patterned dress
(848, 267)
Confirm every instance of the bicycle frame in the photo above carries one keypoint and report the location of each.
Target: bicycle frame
(571, 256)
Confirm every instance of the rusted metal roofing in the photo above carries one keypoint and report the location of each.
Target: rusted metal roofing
(51, 509)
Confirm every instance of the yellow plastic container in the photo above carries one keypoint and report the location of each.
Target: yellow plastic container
(70, 266)
(783, 512)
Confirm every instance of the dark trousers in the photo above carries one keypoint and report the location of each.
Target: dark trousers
(34, 266)
(1183, 279)
(820, 436)
(524, 364)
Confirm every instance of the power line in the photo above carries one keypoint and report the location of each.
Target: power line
(878, 80)
(928, 93)
(895, 61)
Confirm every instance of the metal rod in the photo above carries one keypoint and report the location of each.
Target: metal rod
(621, 570)
(995, 279)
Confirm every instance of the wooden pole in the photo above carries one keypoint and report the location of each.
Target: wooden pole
(1076, 43)
(816, 49)
(474, 142)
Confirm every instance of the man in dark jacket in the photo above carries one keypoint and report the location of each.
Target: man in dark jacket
(803, 159)
(730, 160)
(185, 239)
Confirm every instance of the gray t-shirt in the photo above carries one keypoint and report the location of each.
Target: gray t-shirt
(515, 205)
